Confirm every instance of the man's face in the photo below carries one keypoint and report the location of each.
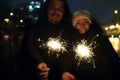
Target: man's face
(55, 11)
(82, 25)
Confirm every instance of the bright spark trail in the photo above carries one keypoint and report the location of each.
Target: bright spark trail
(54, 45)
(84, 52)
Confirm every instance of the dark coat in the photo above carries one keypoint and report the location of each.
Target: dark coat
(104, 56)
(33, 54)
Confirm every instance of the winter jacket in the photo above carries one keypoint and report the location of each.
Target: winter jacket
(35, 50)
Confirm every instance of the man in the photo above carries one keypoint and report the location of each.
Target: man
(53, 23)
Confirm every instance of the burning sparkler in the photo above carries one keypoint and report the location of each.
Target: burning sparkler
(54, 45)
(84, 52)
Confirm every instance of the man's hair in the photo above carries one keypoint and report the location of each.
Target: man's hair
(43, 12)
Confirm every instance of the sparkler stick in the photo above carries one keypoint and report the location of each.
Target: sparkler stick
(59, 37)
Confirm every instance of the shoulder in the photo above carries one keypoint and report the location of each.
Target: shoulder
(102, 38)
(34, 28)
(106, 44)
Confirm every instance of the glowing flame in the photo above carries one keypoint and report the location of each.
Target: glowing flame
(84, 52)
(54, 44)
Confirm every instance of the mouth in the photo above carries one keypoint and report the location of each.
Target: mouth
(54, 21)
(55, 15)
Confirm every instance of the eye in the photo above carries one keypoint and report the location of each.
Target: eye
(61, 9)
(78, 23)
(51, 5)
(86, 23)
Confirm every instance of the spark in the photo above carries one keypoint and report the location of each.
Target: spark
(84, 51)
(54, 45)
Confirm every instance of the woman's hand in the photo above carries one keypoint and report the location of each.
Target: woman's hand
(68, 76)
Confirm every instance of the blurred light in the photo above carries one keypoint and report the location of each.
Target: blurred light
(32, 2)
(21, 21)
(16, 25)
(44, 0)
(112, 36)
(116, 11)
(119, 36)
(20, 37)
(106, 28)
(29, 16)
(11, 14)
(21, 8)
(31, 8)
(37, 6)
(6, 37)
(36, 18)
(34, 5)
(36, 2)
(116, 43)
(6, 20)
(118, 26)
(112, 26)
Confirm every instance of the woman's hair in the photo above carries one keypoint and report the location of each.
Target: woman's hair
(43, 12)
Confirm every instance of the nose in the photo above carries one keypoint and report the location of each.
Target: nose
(82, 24)
(57, 9)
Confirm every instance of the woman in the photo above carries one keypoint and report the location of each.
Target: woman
(100, 63)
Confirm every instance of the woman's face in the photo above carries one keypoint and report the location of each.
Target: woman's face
(82, 25)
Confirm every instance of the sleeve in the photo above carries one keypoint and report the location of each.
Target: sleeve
(114, 62)
(66, 62)
(67, 59)
(108, 59)
(30, 48)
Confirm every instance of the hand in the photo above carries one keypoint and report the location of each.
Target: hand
(68, 76)
(44, 70)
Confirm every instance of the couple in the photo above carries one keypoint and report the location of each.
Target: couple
(56, 20)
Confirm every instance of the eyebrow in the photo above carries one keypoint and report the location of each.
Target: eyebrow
(51, 4)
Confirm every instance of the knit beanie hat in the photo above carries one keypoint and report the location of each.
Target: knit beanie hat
(81, 14)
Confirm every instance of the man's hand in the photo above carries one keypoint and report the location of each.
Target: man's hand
(44, 70)
(68, 76)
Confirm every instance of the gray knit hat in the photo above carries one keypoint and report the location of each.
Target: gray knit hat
(81, 14)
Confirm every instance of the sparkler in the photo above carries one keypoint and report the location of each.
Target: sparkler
(54, 45)
(84, 52)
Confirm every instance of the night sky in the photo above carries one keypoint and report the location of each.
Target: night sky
(102, 10)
